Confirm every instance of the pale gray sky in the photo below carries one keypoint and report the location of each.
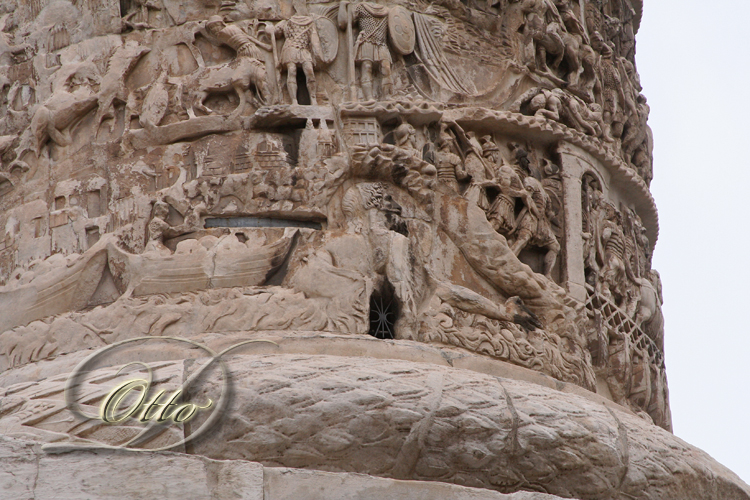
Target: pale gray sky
(693, 60)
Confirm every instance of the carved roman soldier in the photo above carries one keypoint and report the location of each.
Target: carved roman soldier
(371, 48)
(301, 45)
(534, 225)
(449, 164)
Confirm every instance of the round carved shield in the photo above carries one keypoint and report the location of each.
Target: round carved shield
(401, 30)
(329, 39)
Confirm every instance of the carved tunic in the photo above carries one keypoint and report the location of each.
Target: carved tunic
(372, 42)
(611, 82)
(446, 169)
(502, 212)
(539, 227)
(298, 32)
(475, 193)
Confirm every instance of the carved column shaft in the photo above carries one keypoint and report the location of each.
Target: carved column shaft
(573, 166)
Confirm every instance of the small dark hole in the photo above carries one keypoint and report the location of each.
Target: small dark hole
(384, 311)
(303, 96)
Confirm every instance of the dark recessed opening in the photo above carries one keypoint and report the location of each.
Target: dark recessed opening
(384, 311)
(303, 96)
(260, 222)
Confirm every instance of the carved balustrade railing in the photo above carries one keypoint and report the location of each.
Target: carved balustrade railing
(611, 321)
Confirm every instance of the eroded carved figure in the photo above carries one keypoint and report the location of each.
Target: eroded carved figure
(301, 41)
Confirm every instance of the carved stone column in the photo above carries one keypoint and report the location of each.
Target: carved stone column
(573, 163)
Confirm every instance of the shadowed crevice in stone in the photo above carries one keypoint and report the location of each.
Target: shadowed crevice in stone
(276, 277)
(411, 450)
(624, 448)
(261, 222)
(384, 311)
(515, 445)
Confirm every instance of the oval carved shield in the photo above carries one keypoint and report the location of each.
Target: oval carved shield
(329, 39)
(401, 30)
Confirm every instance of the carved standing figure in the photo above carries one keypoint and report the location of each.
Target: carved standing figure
(301, 45)
(501, 213)
(371, 47)
(534, 225)
(636, 128)
(138, 18)
(502, 210)
(449, 165)
(478, 172)
(612, 92)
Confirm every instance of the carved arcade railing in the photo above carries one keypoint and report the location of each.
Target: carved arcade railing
(611, 320)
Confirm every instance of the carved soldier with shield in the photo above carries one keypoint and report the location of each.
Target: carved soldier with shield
(377, 24)
(301, 48)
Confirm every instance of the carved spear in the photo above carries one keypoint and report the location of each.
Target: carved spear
(350, 45)
(276, 70)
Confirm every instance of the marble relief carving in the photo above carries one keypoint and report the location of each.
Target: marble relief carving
(205, 121)
(463, 174)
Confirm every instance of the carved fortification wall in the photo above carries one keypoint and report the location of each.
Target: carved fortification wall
(438, 212)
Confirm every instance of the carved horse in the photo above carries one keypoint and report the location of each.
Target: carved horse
(556, 41)
(238, 75)
(113, 86)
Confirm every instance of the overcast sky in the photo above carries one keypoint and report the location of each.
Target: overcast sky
(693, 60)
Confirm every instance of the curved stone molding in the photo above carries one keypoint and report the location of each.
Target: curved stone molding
(405, 420)
(147, 475)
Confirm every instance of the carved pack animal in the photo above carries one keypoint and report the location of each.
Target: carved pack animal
(53, 119)
(113, 86)
(239, 75)
(556, 41)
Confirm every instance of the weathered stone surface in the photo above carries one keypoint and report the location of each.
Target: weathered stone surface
(433, 192)
(316, 485)
(146, 475)
(438, 211)
(32, 474)
(400, 419)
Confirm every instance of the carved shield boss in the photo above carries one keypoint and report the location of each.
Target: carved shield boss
(401, 30)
